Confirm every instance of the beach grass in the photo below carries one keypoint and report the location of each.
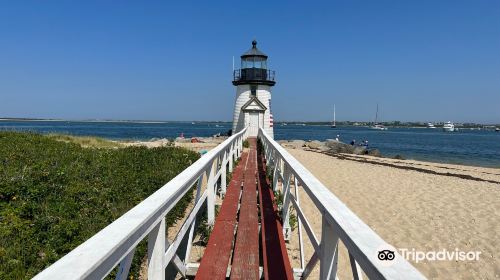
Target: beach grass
(86, 141)
(58, 191)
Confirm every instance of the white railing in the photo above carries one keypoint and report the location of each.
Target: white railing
(338, 223)
(115, 244)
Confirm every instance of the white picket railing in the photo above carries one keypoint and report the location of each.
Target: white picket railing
(115, 244)
(338, 223)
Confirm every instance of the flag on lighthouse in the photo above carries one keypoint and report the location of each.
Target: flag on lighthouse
(271, 121)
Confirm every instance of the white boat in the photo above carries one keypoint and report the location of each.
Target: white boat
(448, 127)
(497, 129)
(430, 125)
(334, 124)
(377, 126)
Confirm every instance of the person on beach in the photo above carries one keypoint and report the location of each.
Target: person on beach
(353, 142)
(337, 138)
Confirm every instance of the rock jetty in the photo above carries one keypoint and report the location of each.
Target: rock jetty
(330, 146)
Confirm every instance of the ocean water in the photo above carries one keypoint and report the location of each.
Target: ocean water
(470, 147)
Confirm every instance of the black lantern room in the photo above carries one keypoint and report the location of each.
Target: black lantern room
(253, 69)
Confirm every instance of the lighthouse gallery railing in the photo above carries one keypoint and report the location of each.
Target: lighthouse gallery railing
(115, 244)
(338, 223)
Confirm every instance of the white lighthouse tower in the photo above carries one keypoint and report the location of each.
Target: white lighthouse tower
(253, 82)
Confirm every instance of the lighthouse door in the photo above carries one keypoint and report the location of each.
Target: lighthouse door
(253, 124)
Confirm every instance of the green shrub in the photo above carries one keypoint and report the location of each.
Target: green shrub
(270, 173)
(56, 194)
(292, 218)
(246, 144)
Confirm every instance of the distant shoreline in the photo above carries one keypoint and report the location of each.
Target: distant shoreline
(101, 121)
(280, 123)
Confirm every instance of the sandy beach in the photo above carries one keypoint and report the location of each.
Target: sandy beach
(415, 205)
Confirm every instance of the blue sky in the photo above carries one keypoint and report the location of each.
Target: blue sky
(159, 60)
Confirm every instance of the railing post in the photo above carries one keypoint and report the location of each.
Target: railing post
(301, 241)
(240, 145)
(328, 251)
(124, 267)
(156, 252)
(231, 157)
(356, 270)
(276, 171)
(211, 194)
(268, 151)
(223, 183)
(193, 224)
(237, 147)
(285, 212)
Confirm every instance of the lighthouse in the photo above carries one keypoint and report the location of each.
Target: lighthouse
(253, 82)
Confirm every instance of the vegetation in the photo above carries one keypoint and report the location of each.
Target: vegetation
(55, 194)
(246, 144)
(86, 141)
(292, 218)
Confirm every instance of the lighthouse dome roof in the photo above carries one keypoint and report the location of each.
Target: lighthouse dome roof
(254, 51)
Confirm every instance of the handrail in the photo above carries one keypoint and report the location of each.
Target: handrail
(339, 222)
(116, 243)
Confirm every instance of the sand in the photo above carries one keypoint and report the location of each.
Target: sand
(429, 207)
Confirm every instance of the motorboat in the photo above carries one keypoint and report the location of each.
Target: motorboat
(448, 127)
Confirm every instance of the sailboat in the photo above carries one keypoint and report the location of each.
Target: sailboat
(376, 125)
(334, 124)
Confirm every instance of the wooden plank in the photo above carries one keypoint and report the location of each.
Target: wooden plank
(246, 252)
(275, 257)
(218, 251)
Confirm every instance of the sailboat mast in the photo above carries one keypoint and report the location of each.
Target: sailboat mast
(376, 115)
(334, 114)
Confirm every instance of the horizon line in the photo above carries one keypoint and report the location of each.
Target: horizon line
(205, 121)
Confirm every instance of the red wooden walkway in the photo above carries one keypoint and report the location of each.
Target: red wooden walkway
(239, 228)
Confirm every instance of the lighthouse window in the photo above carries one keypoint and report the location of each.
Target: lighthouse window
(253, 90)
(247, 63)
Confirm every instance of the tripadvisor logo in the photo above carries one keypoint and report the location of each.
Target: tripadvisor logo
(387, 255)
